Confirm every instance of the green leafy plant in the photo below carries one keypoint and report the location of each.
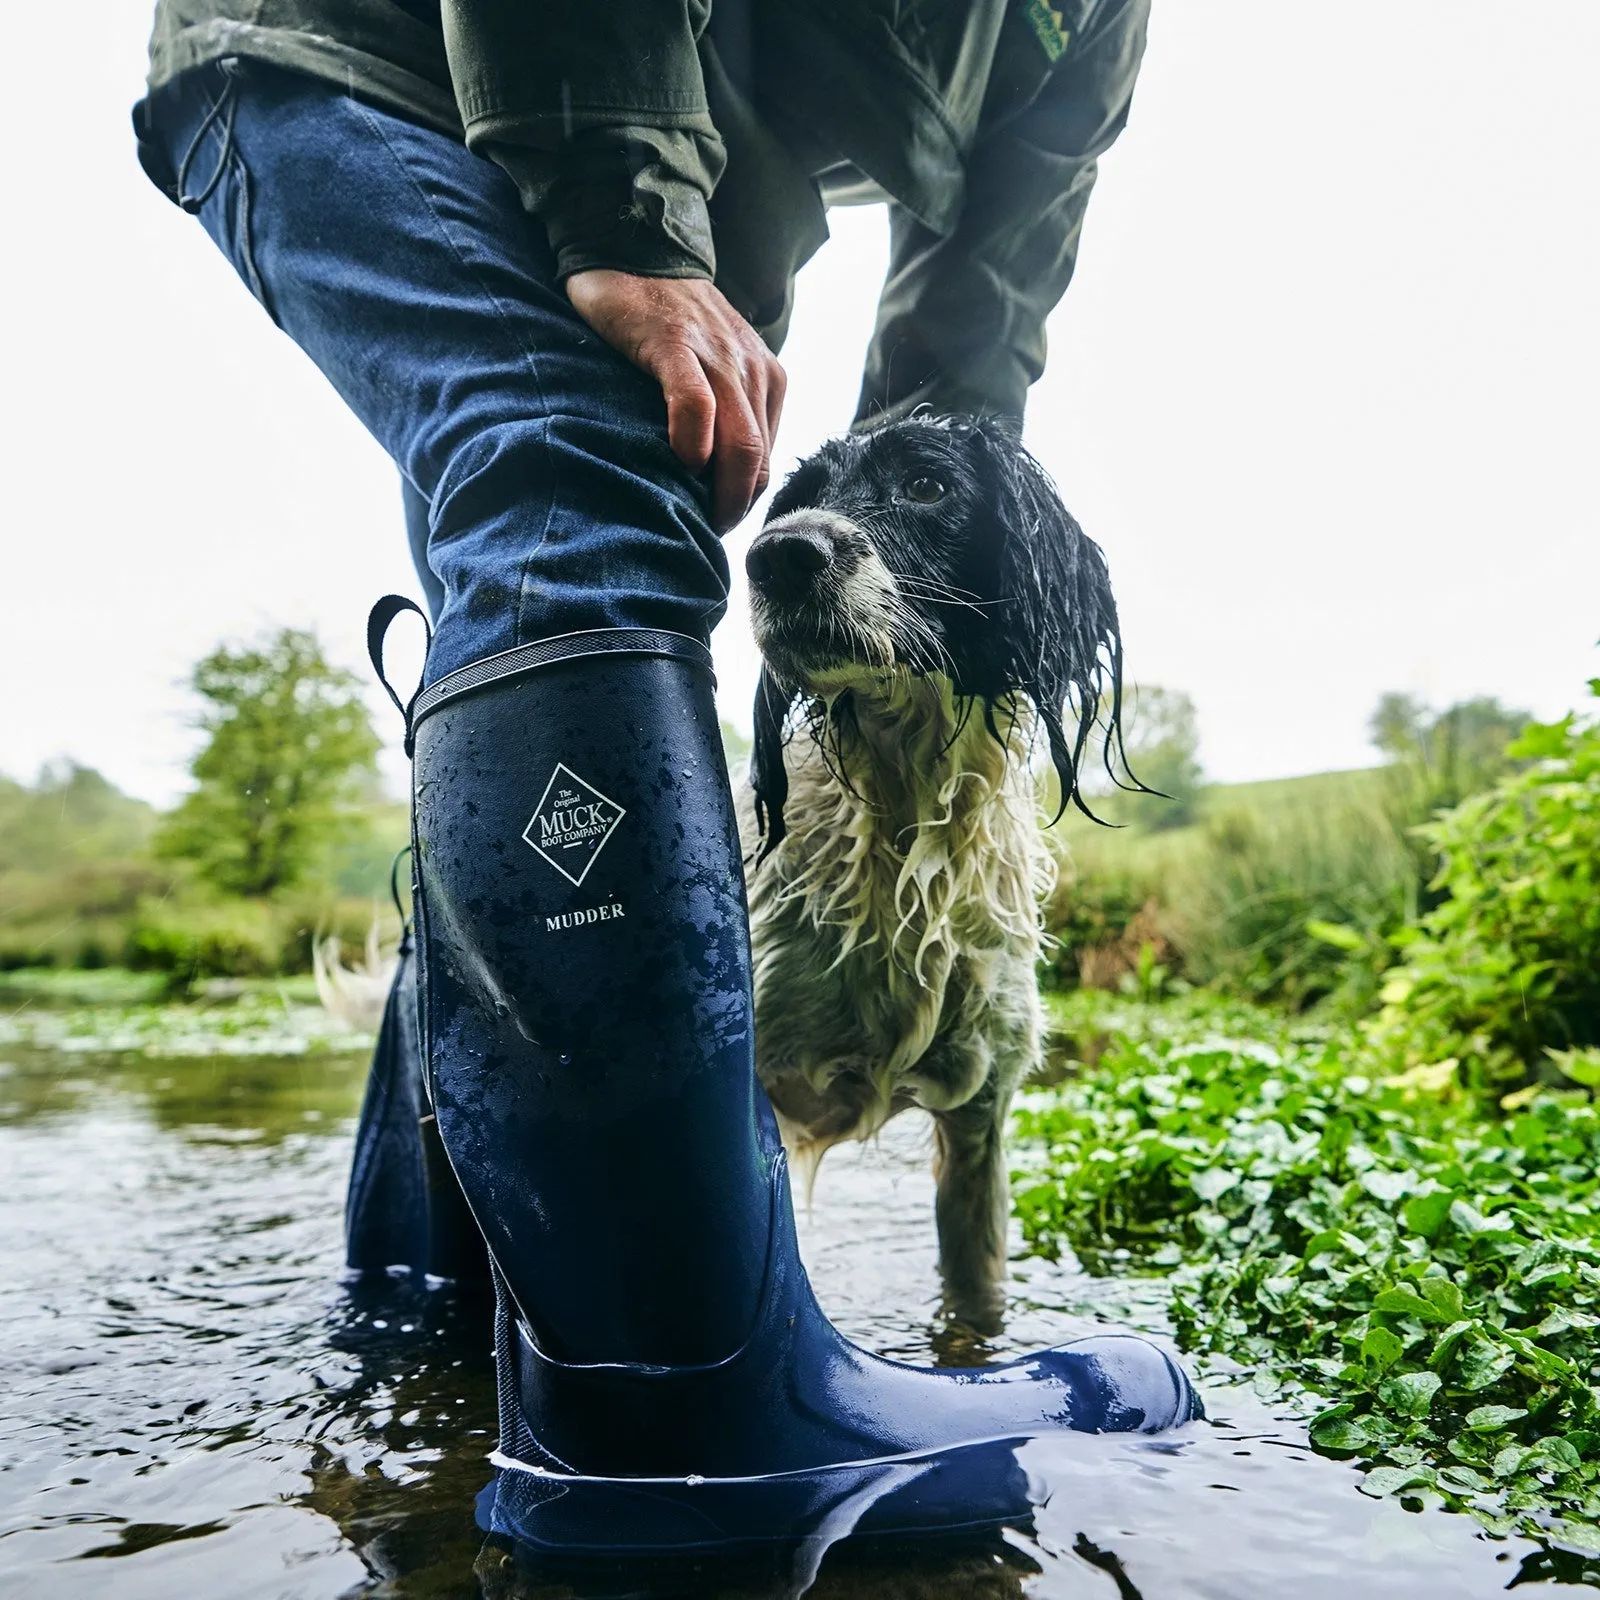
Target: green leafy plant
(1425, 1281)
(1507, 965)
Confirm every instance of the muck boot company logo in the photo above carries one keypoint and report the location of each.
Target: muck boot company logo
(572, 823)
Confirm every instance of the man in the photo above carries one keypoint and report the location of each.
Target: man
(546, 252)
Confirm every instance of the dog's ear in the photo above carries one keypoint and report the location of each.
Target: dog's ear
(1059, 625)
(768, 775)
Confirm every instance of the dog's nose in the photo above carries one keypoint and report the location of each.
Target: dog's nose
(786, 561)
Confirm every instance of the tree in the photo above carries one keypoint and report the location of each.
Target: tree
(291, 755)
(1398, 726)
(1163, 740)
(1455, 752)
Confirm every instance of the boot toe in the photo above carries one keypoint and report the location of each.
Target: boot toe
(1122, 1383)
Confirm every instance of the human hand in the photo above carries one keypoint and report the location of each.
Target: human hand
(724, 388)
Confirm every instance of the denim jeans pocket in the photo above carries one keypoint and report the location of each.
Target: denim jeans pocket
(212, 181)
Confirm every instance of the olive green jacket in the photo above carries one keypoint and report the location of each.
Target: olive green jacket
(679, 138)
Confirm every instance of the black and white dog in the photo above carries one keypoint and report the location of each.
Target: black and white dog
(926, 609)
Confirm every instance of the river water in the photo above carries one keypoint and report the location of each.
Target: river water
(191, 1404)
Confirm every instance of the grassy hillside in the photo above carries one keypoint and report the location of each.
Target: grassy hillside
(1240, 895)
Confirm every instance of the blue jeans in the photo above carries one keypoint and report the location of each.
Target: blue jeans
(536, 468)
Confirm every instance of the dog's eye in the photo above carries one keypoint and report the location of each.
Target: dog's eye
(924, 489)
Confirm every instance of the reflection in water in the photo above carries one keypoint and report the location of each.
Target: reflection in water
(193, 1404)
(403, 1431)
(971, 1570)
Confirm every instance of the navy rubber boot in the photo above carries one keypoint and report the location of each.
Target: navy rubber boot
(404, 1209)
(667, 1379)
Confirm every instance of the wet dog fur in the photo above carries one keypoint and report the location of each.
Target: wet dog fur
(928, 614)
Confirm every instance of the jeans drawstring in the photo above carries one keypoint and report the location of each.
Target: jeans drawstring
(226, 105)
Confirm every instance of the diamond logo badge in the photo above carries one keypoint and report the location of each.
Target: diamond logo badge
(572, 823)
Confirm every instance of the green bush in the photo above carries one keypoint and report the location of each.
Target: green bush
(1286, 892)
(304, 918)
(1098, 922)
(231, 939)
(64, 939)
(74, 862)
(71, 816)
(1506, 966)
(191, 938)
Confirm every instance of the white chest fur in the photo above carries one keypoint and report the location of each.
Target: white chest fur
(896, 927)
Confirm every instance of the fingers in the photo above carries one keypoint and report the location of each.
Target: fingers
(742, 450)
(777, 388)
(691, 404)
(719, 410)
(749, 406)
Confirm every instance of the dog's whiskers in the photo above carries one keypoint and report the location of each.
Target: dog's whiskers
(937, 586)
(917, 640)
(914, 591)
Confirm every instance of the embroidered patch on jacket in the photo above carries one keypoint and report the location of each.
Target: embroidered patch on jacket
(1046, 22)
(571, 824)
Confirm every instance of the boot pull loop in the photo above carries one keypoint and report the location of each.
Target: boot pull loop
(378, 620)
(394, 886)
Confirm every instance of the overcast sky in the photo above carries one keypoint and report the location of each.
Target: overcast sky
(1324, 389)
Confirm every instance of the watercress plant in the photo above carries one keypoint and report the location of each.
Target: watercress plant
(1423, 1280)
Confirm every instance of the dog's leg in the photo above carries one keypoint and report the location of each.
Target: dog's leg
(973, 1206)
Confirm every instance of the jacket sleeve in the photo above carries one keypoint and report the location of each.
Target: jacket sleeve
(961, 322)
(597, 109)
